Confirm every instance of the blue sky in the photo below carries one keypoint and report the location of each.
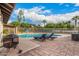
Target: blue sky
(56, 8)
(45, 11)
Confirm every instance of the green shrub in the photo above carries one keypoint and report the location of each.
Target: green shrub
(5, 31)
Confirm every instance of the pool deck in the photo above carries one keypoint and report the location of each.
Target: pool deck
(62, 46)
(24, 45)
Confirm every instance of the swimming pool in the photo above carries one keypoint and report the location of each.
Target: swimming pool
(35, 35)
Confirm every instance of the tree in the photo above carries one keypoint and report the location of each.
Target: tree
(50, 25)
(25, 25)
(15, 23)
(59, 25)
(75, 18)
(44, 21)
(21, 17)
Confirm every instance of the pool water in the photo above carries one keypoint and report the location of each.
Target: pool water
(35, 35)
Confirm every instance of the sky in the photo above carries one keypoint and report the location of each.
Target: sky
(35, 13)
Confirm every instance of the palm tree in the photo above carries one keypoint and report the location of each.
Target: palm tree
(44, 21)
(21, 17)
(75, 18)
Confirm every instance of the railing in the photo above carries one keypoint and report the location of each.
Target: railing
(54, 30)
(59, 30)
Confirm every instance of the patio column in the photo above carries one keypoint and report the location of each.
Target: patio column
(15, 30)
(1, 26)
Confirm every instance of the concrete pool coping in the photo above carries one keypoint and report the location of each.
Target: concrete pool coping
(32, 33)
(60, 35)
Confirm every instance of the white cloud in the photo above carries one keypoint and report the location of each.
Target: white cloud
(37, 18)
(47, 11)
(67, 5)
(77, 4)
(39, 10)
(36, 9)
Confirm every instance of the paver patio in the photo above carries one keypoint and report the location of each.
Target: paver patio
(62, 46)
(24, 45)
(58, 47)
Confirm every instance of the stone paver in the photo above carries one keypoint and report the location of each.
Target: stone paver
(25, 45)
(58, 47)
(62, 46)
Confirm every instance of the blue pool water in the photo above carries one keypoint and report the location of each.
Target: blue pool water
(34, 35)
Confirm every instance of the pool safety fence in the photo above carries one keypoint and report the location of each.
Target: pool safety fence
(49, 30)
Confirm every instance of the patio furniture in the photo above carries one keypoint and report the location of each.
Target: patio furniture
(75, 37)
(45, 36)
(10, 41)
(7, 40)
(49, 36)
(42, 37)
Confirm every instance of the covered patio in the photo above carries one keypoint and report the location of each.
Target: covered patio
(7, 29)
(6, 10)
(26, 45)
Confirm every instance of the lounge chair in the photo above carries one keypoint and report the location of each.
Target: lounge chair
(49, 36)
(45, 36)
(42, 37)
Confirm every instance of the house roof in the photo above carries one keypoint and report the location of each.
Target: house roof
(8, 25)
(6, 10)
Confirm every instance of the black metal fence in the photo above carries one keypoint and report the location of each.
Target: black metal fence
(49, 30)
